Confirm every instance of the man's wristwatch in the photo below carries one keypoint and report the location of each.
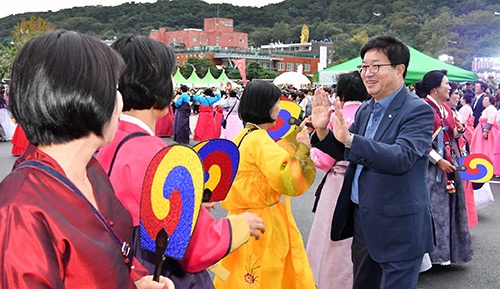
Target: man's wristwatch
(349, 141)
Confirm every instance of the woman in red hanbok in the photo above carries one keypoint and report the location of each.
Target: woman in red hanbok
(19, 142)
(205, 126)
(447, 197)
(467, 117)
(165, 125)
(468, 189)
(60, 224)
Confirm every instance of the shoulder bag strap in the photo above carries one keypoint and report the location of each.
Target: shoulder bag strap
(123, 246)
(124, 140)
(231, 110)
(248, 131)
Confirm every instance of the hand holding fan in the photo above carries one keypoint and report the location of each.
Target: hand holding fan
(283, 127)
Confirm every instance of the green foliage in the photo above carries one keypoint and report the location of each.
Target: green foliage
(253, 70)
(6, 57)
(233, 73)
(461, 28)
(22, 32)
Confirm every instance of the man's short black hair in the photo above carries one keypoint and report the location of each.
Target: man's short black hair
(395, 50)
(484, 86)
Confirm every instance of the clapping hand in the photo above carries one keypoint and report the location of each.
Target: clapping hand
(321, 112)
(340, 129)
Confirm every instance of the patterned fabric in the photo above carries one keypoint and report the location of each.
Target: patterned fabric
(330, 260)
(453, 241)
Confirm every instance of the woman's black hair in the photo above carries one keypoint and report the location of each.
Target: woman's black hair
(147, 80)
(208, 92)
(233, 93)
(257, 100)
(431, 80)
(454, 86)
(468, 97)
(64, 86)
(491, 98)
(350, 87)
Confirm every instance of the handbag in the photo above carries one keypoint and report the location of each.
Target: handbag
(223, 122)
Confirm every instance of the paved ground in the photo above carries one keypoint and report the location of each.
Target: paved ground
(482, 272)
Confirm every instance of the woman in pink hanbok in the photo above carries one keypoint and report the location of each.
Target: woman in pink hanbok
(467, 116)
(331, 261)
(233, 122)
(496, 155)
(485, 133)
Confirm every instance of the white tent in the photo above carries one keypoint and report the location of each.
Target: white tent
(295, 78)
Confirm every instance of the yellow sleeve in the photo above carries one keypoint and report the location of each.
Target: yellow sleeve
(240, 231)
(286, 164)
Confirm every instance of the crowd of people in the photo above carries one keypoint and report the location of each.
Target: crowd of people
(391, 204)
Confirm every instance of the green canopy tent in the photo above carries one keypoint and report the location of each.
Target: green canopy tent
(224, 81)
(209, 80)
(178, 78)
(194, 80)
(420, 64)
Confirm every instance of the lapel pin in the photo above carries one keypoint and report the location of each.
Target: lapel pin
(390, 115)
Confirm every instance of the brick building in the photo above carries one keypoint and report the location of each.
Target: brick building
(217, 32)
(218, 41)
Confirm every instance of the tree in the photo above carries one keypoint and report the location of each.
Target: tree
(281, 32)
(259, 36)
(201, 65)
(22, 32)
(32, 27)
(6, 59)
(254, 70)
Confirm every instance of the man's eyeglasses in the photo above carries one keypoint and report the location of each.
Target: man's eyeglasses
(374, 68)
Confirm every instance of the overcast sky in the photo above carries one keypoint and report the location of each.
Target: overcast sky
(17, 6)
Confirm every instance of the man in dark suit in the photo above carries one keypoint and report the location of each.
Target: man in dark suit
(384, 201)
(477, 104)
